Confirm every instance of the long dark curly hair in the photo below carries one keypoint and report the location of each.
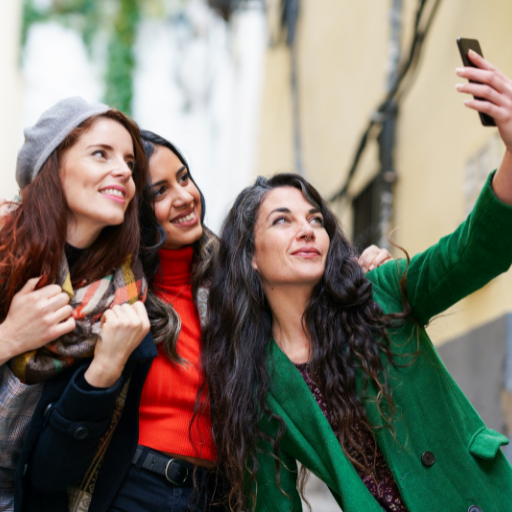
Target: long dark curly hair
(346, 328)
(165, 322)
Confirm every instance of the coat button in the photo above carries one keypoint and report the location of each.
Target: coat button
(47, 410)
(428, 459)
(474, 508)
(81, 433)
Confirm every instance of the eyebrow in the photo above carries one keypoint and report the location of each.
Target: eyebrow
(104, 146)
(287, 210)
(109, 148)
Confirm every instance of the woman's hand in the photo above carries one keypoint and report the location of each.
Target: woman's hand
(35, 318)
(373, 257)
(496, 88)
(122, 330)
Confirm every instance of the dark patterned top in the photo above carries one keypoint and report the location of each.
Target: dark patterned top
(378, 479)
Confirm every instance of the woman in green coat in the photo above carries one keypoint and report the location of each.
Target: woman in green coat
(308, 360)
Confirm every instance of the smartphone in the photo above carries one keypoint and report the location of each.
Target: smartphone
(464, 46)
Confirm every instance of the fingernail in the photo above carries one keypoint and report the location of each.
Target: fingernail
(459, 87)
(467, 102)
(459, 71)
(372, 267)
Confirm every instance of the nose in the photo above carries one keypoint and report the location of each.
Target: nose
(182, 197)
(122, 170)
(306, 233)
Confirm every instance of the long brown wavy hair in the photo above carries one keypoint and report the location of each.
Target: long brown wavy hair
(346, 327)
(165, 321)
(33, 237)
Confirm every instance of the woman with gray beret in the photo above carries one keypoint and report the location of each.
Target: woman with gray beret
(71, 285)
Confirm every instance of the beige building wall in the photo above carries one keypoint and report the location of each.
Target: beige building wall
(343, 65)
(11, 92)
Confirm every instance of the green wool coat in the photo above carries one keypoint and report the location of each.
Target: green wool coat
(433, 414)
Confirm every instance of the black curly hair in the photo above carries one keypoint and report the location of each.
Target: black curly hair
(346, 327)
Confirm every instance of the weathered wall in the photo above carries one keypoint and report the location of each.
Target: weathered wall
(477, 361)
(343, 59)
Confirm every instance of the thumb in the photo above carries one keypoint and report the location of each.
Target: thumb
(104, 319)
(30, 286)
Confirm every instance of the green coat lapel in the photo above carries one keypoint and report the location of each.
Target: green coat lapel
(310, 437)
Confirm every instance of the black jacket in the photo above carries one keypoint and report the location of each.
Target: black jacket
(65, 431)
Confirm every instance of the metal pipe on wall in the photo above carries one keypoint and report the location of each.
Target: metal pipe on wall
(387, 136)
(291, 10)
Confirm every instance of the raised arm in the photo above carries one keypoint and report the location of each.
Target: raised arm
(481, 248)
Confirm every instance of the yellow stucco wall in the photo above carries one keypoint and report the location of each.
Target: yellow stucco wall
(343, 57)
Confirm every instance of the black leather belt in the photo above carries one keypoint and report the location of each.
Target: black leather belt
(177, 471)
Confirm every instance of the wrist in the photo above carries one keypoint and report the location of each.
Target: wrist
(502, 180)
(102, 375)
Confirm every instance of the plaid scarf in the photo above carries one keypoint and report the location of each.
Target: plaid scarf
(89, 302)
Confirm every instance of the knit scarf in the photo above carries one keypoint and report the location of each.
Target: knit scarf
(125, 285)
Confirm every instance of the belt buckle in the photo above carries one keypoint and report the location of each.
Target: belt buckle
(169, 479)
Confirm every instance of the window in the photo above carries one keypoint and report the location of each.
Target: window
(366, 208)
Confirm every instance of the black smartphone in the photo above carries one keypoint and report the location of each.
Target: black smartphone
(464, 46)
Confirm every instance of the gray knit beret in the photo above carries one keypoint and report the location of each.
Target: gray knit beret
(50, 130)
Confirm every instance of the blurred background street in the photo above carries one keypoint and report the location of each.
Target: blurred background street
(358, 96)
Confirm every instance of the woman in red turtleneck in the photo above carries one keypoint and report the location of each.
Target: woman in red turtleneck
(175, 441)
(174, 438)
(165, 411)
(168, 398)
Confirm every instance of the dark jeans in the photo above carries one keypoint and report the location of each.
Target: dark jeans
(145, 491)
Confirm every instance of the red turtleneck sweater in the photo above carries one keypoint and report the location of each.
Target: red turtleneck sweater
(168, 397)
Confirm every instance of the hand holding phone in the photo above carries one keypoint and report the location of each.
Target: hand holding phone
(464, 46)
(494, 88)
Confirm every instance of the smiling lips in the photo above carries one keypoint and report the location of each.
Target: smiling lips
(185, 219)
(114, 192)
(306, 252)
